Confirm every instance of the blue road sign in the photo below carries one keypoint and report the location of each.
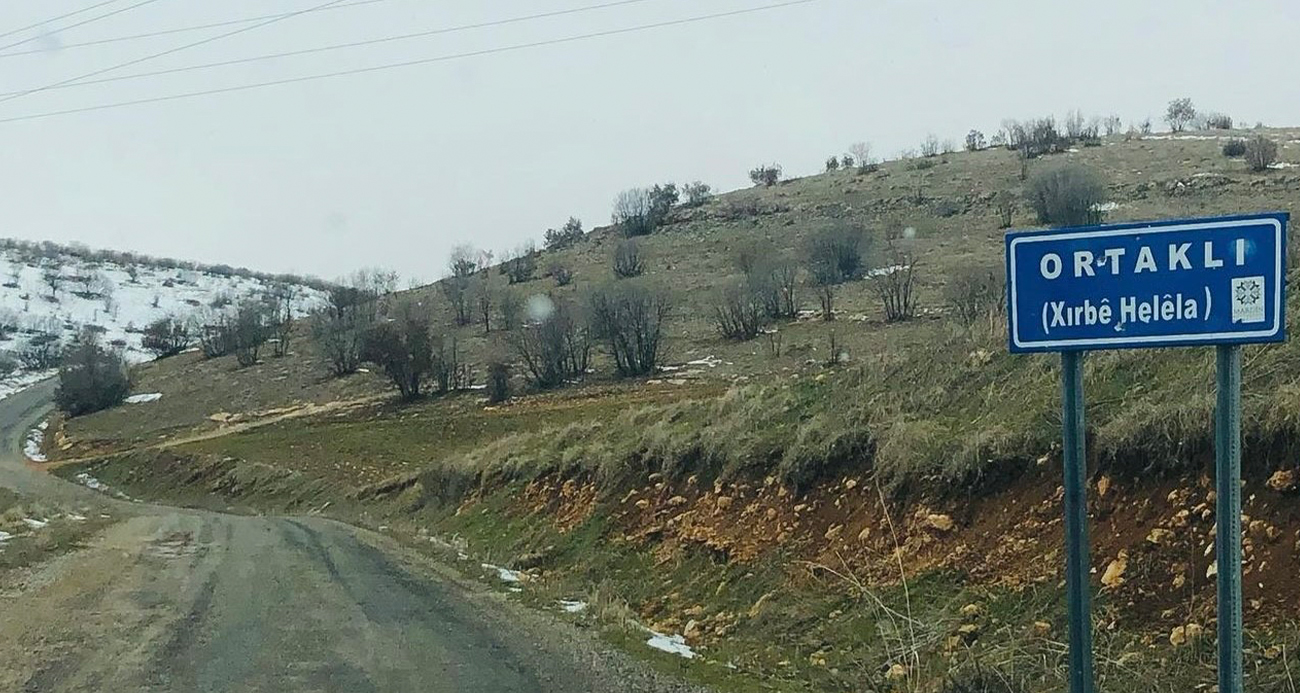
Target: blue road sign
(1149, 284)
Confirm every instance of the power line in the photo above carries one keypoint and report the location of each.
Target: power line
(341, 46)
(84, 22)
(169, 51)
(409, 63)
(55, 19)
(181, 30)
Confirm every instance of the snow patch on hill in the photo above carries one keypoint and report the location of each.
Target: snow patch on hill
(64, 293)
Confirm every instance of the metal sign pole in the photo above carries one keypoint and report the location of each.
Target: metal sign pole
(1227, 458)
(1076, 524)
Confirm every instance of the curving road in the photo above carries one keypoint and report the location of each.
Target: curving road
(180, 600)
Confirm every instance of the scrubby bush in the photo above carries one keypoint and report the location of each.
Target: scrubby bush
(1217, 121)
(279, 303)
(511, 308)
(1261, 152)
(630, 318)
(251, 331)
(1234, 147)
(834, 253)
(766, 175)
(861, 151)
(216, 335)
(974, 292)
(561, 273)
(41, 352)
(833, 164)
(91, 377)
(483, 296)
(633, 213)
(566, 236)
(975, 141)
(464, 264)
(627, 260)
(449, 373)
(521, 265)
(9, 364)
(166, 337)
(1180, 114)
(1113, 124)
(1005, 204)
(403, 349)
(696, 193)
(1067, 195)
(1074, 124)
(555, 348)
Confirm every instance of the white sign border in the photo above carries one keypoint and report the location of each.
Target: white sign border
(1077, 344)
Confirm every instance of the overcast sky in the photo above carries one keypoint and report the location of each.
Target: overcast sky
(393, 168)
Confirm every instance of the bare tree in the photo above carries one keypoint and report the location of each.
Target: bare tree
(630, 318)
(1113, 124)
(521, 264)
(251, 331)
(483, 295)
(634, 212)
(91, 377)
(1074, 124)
(834, 253)
(627, 260)
(1005, 203)
(1180, 114)
(862, 152)
(930, 146)
(975, 141)
(279, 317)
(555, 348)
(561, 273)
(52, 275)
(568, 234)
(339, 328)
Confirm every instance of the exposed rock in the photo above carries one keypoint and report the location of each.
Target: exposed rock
(1178, 637)
(771, 513)
(1212, 571)
(970, 611)
(896, 672)
(643, 504)
(1042, 628)
(1114, 575)
(1103, 486)
(1283, 480)
(850, 484)
(676, 501)
(942, 523)
(724, 502)
(834, 532)
(865, 534)
(1159, 536)
(1194, 632)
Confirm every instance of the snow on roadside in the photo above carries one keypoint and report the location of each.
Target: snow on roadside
(142, 399)
(16, 383)
(36, 524)
(94, 484)
(5, 536)
(32, 446)
(505, 574)
(573, 606)
(672, 644)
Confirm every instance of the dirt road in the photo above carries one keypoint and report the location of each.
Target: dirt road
(181, 600)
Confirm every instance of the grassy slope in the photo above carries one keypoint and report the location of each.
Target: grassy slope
(939, 412)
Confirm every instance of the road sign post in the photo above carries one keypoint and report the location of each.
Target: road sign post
(1227, 474)
(1078, 596)
(1219, 281)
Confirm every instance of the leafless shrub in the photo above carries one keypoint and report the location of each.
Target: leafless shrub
(449, 372)
(634, 213)
(498, 382)
(279, 317)
(1234, 147)
(775, 282)
(1113, 124)
(521, 264)
(894, 281)
(627, 260)
(483, 295)
(832, 164)
(738, 312)
(975, 141)
(1005, 203)
(41, 351)
(1067, 195)
(862, 153)
(1261, 152)
(630, 318)
(554, 349)
(930, 146)
(561, 273)
(1074, 122)
(976, 292)
(250, 331)
(834, 253)
(166, 337)
(1217, 121)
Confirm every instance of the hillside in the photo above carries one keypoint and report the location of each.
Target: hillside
(889, 519)
(52, 290)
